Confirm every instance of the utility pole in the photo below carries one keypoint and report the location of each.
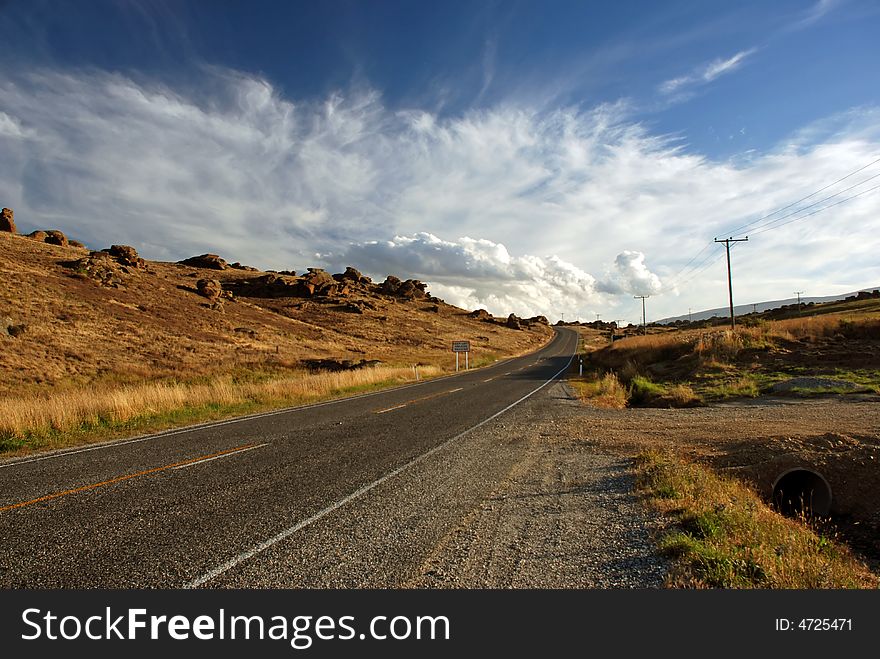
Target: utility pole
(644, 324)
(727, 242)
(799, 293)
(754, 308)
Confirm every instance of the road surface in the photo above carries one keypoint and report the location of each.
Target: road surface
(349, 493)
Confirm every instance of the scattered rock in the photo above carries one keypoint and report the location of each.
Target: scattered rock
(208, 261)
(540, 320)
(55, 237)
(7, 220)
(76, 243)
(513, 322)
(99, 267)
(432, 309)
(246, 330)
(481, 314)
(38, 235)
(16, 330)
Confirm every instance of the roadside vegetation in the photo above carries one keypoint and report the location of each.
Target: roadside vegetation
(64, 418)
(721, 534)
(688, 367)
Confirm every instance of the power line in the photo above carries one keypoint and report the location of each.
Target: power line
(795, 203)
(824, 208)
(815, 203)
(683, 276)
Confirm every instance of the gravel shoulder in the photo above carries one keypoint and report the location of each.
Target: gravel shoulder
(564, 516)
(511, 505)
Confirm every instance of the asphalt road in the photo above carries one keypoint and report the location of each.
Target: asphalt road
(350, 493)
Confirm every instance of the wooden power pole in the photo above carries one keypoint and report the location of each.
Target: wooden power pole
(727, 242)
(644, 324)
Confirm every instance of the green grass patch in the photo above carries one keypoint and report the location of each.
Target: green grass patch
(724, 536)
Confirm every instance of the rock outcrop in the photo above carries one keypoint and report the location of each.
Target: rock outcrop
(55, 237)
(514, 322)
(352, 275)
(207, 261)
(7, 221)
(39, 236)
(411, 289)
(126, 255)
(481, 314)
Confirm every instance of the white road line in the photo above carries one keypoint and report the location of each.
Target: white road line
(452, 391)
(218, 457)
(263, 546)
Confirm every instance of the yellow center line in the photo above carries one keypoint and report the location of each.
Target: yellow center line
(119, 479)
(417, 400)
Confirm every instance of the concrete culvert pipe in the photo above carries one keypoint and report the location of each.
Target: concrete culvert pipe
(801, 491)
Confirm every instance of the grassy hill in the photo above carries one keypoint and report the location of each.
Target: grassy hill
(96, 344)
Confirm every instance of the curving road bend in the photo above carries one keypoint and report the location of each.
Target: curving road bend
(350, 493)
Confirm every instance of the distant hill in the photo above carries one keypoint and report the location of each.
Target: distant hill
(743, 309)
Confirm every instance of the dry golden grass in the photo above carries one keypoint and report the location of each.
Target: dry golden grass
(155, 326)
(728, 538)
(74, 409)
(94, 358)
(606, 392)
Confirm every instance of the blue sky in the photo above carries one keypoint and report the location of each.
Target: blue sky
(537, 157)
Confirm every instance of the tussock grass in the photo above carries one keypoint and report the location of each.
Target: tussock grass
(726, 537)
(41, 420)
(605, 392)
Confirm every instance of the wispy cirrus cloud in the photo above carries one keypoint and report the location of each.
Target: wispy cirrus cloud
(512, 207)
(706, 73)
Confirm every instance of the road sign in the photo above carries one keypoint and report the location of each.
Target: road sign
(461, 346)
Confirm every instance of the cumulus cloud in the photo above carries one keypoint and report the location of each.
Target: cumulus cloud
(478, 273)
(235, 167)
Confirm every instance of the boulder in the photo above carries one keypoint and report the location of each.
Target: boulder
(126, 255)
(16, 331)
(513, 322)
(76, 243)
(539, 320)
(208, 261)
(7, 221)
(209, 288)
(55, 237)
(39, 236)
(318, 281)
(391, 285)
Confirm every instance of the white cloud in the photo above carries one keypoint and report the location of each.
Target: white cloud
(235, 167)
(478, 273)
(705, 73)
